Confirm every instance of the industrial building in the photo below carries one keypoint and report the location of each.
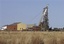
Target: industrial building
(16, 26)
(30, 25)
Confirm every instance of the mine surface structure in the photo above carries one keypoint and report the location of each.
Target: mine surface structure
(44, 24)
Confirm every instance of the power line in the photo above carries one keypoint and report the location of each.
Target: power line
(34, 18)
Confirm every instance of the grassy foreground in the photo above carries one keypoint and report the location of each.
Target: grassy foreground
(28, 37)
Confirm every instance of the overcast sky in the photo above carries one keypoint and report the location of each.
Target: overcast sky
(30, 11)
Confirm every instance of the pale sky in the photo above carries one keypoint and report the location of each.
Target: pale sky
(30, 11)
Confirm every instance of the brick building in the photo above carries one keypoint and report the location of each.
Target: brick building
(16, 26)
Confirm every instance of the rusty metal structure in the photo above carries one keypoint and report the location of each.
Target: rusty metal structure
(44, 24)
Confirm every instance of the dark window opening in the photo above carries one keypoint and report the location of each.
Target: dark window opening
(14, 28)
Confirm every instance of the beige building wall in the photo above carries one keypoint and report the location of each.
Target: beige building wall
(21, 26)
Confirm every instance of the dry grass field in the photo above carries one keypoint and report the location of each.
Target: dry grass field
(31, 37)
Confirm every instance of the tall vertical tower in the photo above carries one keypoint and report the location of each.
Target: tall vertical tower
(44, 24)
(45, 18)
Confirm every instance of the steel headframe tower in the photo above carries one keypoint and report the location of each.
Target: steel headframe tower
(45, 18)
(44, 25)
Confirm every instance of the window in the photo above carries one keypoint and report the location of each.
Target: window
(14, 28)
